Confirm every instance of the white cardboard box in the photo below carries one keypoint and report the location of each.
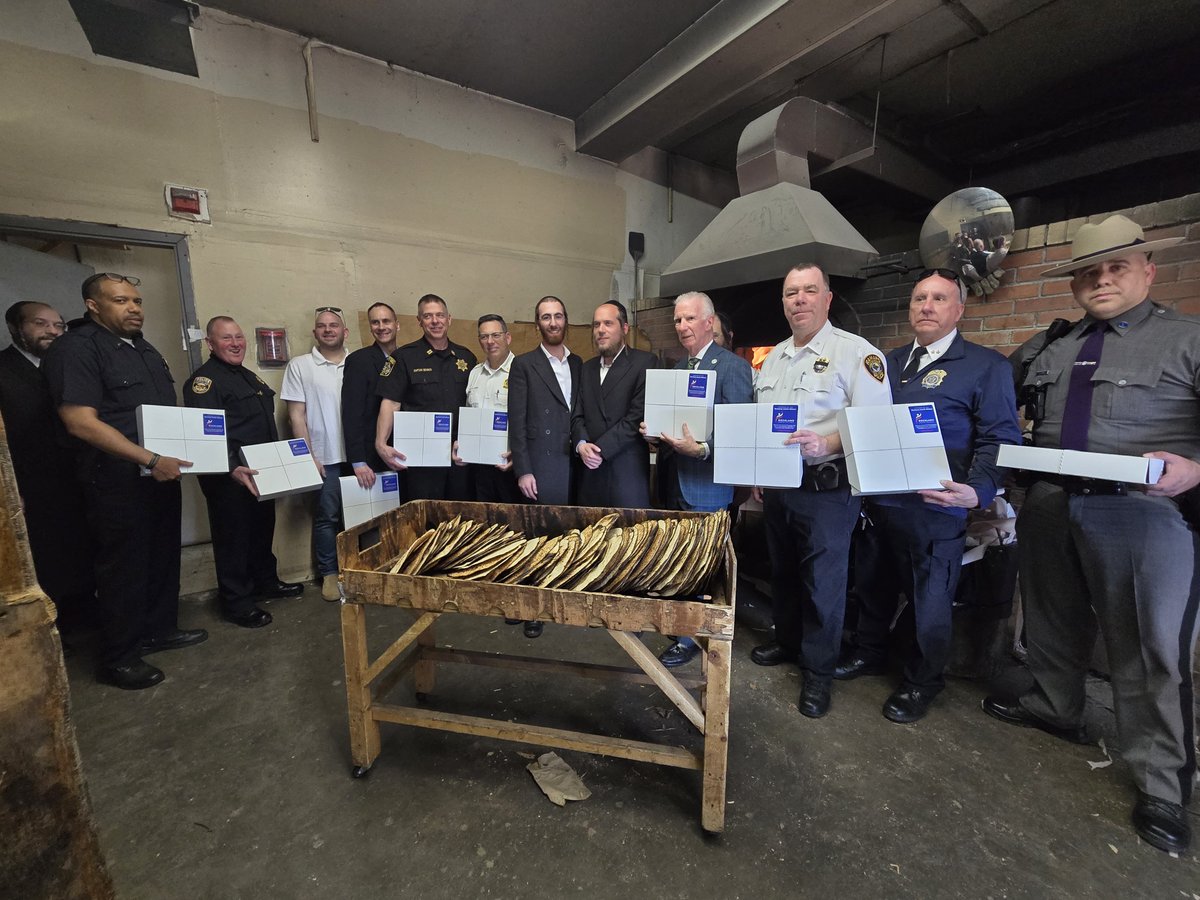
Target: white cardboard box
(187, 433)
(676, 396)
(1082, 464)
(423, 437)
(284, 467)
(893, 450)
(362, 504)
(482, 435)
(748, 445)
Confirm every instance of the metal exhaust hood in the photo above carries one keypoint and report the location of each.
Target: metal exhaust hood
(779, 220)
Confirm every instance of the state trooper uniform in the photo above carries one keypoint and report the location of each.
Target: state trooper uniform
(488, 388)
(243, 527)
(809, 528)
(422, 379)
(1106, 547)
(133, 519)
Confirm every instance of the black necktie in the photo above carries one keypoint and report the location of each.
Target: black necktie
(693, 362)
(1078, 409)
(914, 364)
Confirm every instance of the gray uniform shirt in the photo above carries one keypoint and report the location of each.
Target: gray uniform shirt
(1147, 384)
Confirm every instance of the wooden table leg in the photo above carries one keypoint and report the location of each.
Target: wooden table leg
(364, 730)
(716, 735)
(424, 672)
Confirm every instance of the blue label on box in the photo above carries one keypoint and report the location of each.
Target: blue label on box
(441, 423)
(214, 423)
(784, 417)
(697, 383)
(924, 419)
(299, 447)
(389, 483)
(500, 421)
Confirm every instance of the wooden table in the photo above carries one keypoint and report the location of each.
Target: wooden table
(364, 548)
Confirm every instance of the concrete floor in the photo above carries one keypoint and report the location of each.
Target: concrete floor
(232, 780)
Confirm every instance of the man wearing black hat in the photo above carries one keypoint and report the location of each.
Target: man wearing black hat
(1124, 380)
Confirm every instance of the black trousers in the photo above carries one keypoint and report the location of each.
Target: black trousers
(134, 523)
(494, 486)
(437, 483)
(808, 537)
(243, 529)
(61, 549)
(918, 553)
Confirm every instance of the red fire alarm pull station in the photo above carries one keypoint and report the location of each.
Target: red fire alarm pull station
(272, 347)
(187, 203)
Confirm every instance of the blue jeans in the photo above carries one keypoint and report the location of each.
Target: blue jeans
(327, 521)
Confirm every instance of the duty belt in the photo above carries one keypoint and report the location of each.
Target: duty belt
(826, 476)
(1087, 487)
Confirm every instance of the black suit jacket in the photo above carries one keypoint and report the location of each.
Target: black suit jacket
(539, 424)
(360, 405)
(609, 415)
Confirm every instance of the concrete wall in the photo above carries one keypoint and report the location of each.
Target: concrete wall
(416, 185)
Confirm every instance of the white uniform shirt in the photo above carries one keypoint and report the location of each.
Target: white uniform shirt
(488, 387)
(562, 371)
(317, 383)
(934, 350)
(834, 370)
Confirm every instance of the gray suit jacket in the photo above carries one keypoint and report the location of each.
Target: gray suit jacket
(539, 424)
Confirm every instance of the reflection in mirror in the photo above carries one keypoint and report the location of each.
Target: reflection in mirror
(970, 232)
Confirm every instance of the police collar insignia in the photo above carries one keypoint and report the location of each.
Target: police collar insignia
(462, 364)
(429, 351)
(874, 367)
(933, 378)
(820, 364)
(388, 365)
(201, 385)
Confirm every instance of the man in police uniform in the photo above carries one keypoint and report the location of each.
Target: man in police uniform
(100, 372)
(914, 543)
(360, 397)
(428, 375)
(243, 528)
(690, 471)
(821, 369)
(487, 387)
(1125, 380)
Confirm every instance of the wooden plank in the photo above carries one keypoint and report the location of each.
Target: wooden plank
(539, 736)
(549, 666)
(402, 643)
(392, 678)
(661, 676)
(716, 736)
(425, 672)
(364, 730)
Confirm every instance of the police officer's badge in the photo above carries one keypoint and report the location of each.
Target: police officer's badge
(821, 365)
(933, 378)
(388, 365)
(201, 385)
(462, 364)
(874, 366)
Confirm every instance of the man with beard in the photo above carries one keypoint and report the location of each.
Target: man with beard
(543, 385)
(62, 553)
(428, 375)
(100, 372)
(243, 528)
(605, 422)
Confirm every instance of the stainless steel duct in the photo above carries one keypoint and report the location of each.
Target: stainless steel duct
(779, 219)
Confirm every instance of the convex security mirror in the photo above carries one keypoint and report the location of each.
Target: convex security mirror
(969, 232)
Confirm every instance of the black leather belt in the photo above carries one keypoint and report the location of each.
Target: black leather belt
(1087, 487)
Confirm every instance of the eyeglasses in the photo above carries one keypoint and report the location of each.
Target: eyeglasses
(336, 310)
(492, 336)
(112, 276)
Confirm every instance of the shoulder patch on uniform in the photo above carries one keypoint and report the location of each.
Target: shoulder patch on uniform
(874, 367)
(201, 385)
(388, 365)
(462, 364)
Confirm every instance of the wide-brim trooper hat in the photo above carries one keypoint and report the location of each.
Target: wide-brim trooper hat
(1113, 238)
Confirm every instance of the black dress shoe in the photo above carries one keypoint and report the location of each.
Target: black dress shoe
(533, 629)
(678, 655)
(133, 677)
(279, 590)
(815, 697)
(254, 618)
(514, 621)
(907, 705)
(1011, 711)
(772, 654)
(1161, 824)
(854, 665)
(173, 641)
